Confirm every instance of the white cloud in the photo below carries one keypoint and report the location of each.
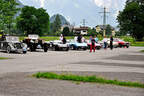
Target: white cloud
(104, 3)
(42, 3)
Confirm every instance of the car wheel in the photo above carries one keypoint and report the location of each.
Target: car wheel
(56, 48)
(84, 48)
(127, 46)
(73, 47)
(24, 52)
(45, 49)
(67, 49)
(98, 48)
(120, 45)
(8, 49)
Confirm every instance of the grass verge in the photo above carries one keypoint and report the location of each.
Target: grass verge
(138, 44)
(4, 58)
(94, 79)
(142, 51)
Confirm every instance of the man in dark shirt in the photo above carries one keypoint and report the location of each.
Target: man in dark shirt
(92, 46)
(111, 42)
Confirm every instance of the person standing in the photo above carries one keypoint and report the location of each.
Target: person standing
(111, 42)
(105, 42)
(61, 37)
(79, 39)
(92, 46)
(96, 39)
(64, 40)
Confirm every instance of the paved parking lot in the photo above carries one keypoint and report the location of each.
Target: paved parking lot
(120, 63)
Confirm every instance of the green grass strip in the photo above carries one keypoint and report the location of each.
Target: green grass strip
(4, 58)
(142, 51)
(94, 79)
(138, 44)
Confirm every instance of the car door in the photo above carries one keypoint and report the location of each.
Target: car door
(4, 45)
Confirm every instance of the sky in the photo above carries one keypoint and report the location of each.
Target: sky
(77, 10)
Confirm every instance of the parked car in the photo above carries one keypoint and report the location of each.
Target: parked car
(33, 42)
(122, 43)
(12, 44)
(74, 45)
(98, 46)
(115, 43)
(58, 45)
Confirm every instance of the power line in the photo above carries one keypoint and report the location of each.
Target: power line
(84, 22)
(104, 20)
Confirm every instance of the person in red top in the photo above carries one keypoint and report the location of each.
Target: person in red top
(92, 47)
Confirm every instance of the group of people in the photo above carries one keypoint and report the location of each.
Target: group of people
(79, 39)
(106, 44)
(93, 40)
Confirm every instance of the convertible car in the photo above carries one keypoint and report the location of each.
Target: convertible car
(33, 42)
(74, 45)
(122, 43)
(58, 45)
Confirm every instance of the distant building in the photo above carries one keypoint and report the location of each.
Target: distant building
(69, 26)
(101, 28)
(80, 30)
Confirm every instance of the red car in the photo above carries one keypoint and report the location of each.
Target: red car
(122, 43)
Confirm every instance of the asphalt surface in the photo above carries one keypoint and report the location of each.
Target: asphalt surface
(120, 63)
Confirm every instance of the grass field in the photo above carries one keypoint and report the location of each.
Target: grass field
(93, 79)
(138, 44)
(142, 51)
(4, 58)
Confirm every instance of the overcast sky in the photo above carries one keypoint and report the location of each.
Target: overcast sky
(76, 10)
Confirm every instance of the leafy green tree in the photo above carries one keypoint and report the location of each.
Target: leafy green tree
(33, 21)
(108, 30)
(131, 20)
(66, 31)
(8, 10)
(56, 25)
(92, 32)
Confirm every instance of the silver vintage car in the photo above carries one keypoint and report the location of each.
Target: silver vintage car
(12, 44)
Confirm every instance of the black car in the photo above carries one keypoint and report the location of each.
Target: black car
(33, 42)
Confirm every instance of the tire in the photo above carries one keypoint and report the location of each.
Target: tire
(127, 46)
(67, 49)
(84, 49)
(98, 48)
(8, 49)
(45, 49)
(24, 52)
(32, 48)
(73, 47)
(56, 48)
(120, 46)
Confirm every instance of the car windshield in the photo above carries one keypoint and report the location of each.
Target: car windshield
(33, 36)
(12, 39)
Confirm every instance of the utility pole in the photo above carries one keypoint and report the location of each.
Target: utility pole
(83, 22)
(104, 21)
